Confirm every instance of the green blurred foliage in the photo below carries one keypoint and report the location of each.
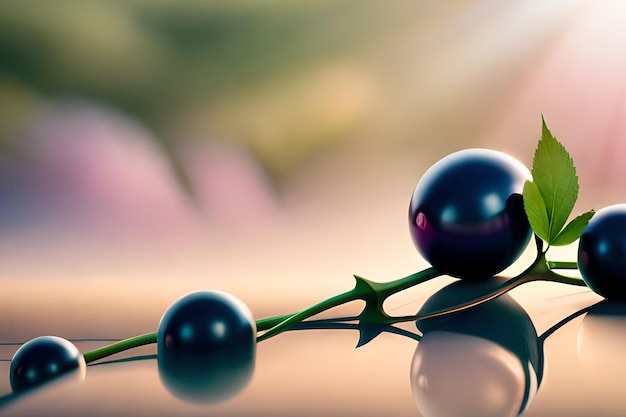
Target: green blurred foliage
(263, 73)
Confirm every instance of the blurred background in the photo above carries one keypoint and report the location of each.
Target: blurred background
(273, 146)
(149, 148)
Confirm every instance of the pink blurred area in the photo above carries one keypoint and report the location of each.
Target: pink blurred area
(85, 177)
(84, 168)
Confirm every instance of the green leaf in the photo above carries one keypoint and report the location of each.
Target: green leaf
(573, 230)
(536, 210)
(554, 174)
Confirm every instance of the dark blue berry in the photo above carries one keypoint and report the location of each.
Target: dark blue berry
(43, 359)
(467, 215)
(206, 346)
(602, 253)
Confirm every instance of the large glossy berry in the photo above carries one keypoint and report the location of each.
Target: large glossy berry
(43, 359)
(602, 252)
(467, 215)
(206, 345)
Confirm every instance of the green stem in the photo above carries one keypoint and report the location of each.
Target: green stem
(538, 271)
(263, 324)
(498, 291)
(329, 303)
(122, 345)
(150, 338)
(364, 290)
(386, 289)
(374, 294)
(562, 265)
(268, 323)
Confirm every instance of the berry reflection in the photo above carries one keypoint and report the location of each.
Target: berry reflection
(484, 361)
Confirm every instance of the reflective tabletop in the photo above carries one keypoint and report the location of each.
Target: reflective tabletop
(544, 349)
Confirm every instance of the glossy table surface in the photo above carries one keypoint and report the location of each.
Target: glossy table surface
(320, 372)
